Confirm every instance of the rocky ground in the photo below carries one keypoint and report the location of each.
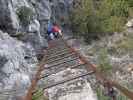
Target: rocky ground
(17, 65)
(119, 52)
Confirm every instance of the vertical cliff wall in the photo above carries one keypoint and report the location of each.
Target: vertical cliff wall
(20, 41)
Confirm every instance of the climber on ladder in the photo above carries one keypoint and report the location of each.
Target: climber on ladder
(53, 31)
(56, 30)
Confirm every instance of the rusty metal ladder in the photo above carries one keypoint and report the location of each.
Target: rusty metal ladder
(57, 56)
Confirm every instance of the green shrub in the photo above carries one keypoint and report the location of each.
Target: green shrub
(125, 45)
(25, 14)
(94, 18)
(39, 95)
(130, 2)
(104, 62)
(100, 95)
(113, 24)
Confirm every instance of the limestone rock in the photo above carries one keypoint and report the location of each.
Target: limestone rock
(130, 23)
(8, 19)
(15, 69)
(43, 9)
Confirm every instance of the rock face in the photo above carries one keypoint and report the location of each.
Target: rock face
(60, 13)
(130, 23)
(44, 14)
(11, 23)
(8, 20)
(43, 9)
(60, 9)
(17, 55)
(16, 62)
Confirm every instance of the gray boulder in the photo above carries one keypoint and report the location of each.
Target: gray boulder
(129, 23)
(16, 63)
(8, 19)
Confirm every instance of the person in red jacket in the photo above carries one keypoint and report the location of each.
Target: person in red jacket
(56, 30)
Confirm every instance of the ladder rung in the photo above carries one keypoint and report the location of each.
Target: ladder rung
(67, 80)
(57, 48)
(58, 55)
(72, 67)
(63, 62)
(60, 51)
(61, 58)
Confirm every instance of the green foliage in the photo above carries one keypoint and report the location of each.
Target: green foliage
(104, 62)
(39, 95)
(94, 18)
(79, 16)
(125, 45)
(100, 95)
(113, 24)
(130, 2)
(121, 97)
(25, 14)
(119, 8)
